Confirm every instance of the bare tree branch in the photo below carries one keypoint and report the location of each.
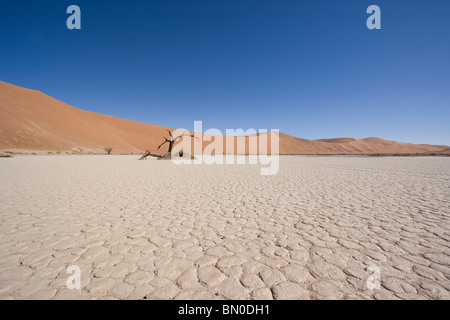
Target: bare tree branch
(171, 144)
(159, 156)
(167, 140)
(185, 135)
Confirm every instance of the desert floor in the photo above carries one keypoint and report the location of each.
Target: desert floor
(154, 230)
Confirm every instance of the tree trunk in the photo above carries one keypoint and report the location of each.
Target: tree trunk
(170, 146)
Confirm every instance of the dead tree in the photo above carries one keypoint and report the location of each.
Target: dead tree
(108, 150)
(159, 156)
(171, 143)
(172, 140)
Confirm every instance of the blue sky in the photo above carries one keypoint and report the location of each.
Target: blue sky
(309, 68)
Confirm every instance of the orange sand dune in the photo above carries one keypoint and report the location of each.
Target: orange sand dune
(337, 140)
(31, 120)
(442, 152)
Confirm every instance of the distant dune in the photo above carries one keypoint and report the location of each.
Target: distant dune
(337, 140)
(31, 120)
(443, 152)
